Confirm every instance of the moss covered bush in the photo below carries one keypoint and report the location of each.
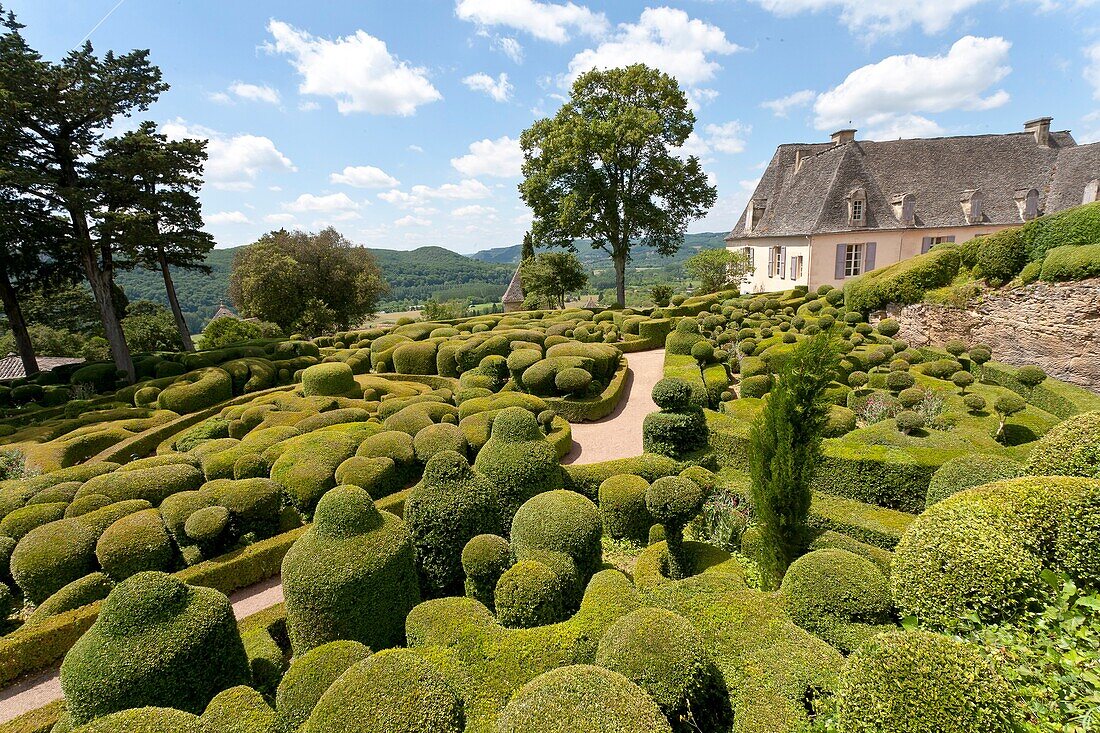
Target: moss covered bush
(1073, 262)
(135, 543)
(921, 682)
(529, 594)
(518, 461)
(352, 575)
(157, 642)
(485, 558)
(307, 465)
(903, 282)
(438, 438)
(674, 501)
(146, 720)
(89, 589)
(1070, 448)
(196, 391)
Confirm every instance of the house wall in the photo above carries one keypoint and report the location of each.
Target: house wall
(758, 281)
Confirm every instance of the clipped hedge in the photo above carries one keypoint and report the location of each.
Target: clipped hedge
(1073, 262)
(903, 282)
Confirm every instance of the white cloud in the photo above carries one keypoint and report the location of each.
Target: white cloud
(781, 107)
(220, 98)
(475, 210)
(420, 195)
(415, 149)
(1091, 133)
(908, 84)
(330, 204)
(501, 158)
(510, 47)
(893, 127)
(412, 221)
(364, 176)
(228, 217)
(1092, 68)
(255, 92)
(279, 219)
(553, 22)
(358, 71)
(234, 161)
(665, 38)
(499, 89)
(879, 18)
(728, 137)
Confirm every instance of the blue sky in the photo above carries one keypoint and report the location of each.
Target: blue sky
(398, 122)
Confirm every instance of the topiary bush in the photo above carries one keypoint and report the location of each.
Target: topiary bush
(1070, 448)
(352, 575)
(680, 427)
(196, 391)
(157, 642)
(921, 682)
(674, 501)
(451, 505)
(485, 558)
(964, 472)
(135, 543)
(332, 379)
(1000, 256)
(518, 461)
(562, 522)
(396, 691)
(145, 720)
(1068, 263)
(581, 699)
(622, 508)
(89, 589)
(903, 282)
(239, 709)
(309, 676)
(529, 594)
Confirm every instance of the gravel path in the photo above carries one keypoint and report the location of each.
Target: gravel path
(619, 435)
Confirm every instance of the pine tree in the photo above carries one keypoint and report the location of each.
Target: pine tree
(528, 250)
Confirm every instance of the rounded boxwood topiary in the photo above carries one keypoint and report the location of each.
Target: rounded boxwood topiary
(309, 676)
(1030, 376)
(975, 403)
(396, 691)
(89, 589)
(622, 507)
(898, 381)
(756, 386)
(135, 543)
(157, 642)
(352, 575)
(451, 505)
(529, 594)
(888, 327)
(239, 709)
(921, 682)
(377, 476)
(672, 394)
(207, 525)
(560, 521)
(573, 381)
(21, 521)
(146, 720)
(518, 460)
(484, 559)
(439, 438)
(581, 699)
(1070, 448)
(911, 397)
(331, 379)
(940, 368)
(674, 501)
(197, 391)
(398, 447)
(964, 472)
(909, 421)
(827, 591)
(52, 556)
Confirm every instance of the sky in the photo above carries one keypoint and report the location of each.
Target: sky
(398, 122)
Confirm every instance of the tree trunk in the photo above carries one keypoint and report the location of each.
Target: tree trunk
(620, 279)
(18, 324)
(169, 286)
(112, 326)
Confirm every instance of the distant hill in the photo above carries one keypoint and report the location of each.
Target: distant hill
(417, 275)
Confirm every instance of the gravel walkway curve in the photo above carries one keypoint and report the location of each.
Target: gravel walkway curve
(619, 435)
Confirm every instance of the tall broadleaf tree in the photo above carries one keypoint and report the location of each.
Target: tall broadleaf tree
(151, 210)
(55, 115)
(607, 167)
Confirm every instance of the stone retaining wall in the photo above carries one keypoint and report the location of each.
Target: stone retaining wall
(1053, 325)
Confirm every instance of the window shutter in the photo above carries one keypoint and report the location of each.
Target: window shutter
(869, 257)
(771, 261)
(840, 262)
(925, 244)
(783, 262)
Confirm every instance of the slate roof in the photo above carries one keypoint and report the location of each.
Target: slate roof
(936, 171)
(11, 367)
(514, 293)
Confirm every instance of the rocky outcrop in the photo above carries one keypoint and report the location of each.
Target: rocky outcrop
(1053, 325)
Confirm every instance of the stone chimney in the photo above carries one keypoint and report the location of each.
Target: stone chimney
(843, 136)
(1040, 128)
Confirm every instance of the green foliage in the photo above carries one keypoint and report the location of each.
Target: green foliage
(309, 676)
(239, 709)
(352, 575)
(157, 641)
(622, 508)
(484, 559)
(135, 543)
(903, 282)
(661, 295)
(518, 461)
(82, 591)
(150, 326)
(552, 276)
(569, 159)
(963, 472)
(786, 446)
(145, 720)
(1071, 448)
(1076, 226)
(197, 391)
(718, 269)
(329, 380)
(562, 522)
(529, 594)
(674, 501)
(1000, 256)
(1073, 262)
(920, 682)
(680, 427)
(227, 331)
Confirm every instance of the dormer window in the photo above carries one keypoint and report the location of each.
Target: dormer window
(756, 210)
(1092, 191)
(905, 209)
(1027, 201)
(971, 202)
(857, 208)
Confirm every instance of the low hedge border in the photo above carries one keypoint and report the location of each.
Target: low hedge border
(729, 438)
(864, 522)
(593, 408)
(1058, 398)
(431, 380)
(895, 478)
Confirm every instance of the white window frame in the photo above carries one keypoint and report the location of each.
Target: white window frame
(775, 261)
(853, 259)
(796, 267)
(857, 211)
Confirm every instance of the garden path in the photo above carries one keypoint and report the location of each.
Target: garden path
(619, 435)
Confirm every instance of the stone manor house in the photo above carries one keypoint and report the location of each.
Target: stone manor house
(826, 212)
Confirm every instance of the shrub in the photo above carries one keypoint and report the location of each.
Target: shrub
(332, 379)
(680, 427)
(52, 556)
(573, 381)
(674, 501)
(1073, 262)
(963, 472)
(451, 505)
(1006, 406)
(352, 575)
(239, 709)
(484, 559)
(975, 403)
(153, 484)
(940, 368)
(756, 386)
(23, 520)
(399, 447)
(438, 438)
(962, 380)
(102, 377)
(207, 525)
(145, 720)
(898, 381)
(837, 595)
(518, 461)
(307, 466)
(582, 699)
(1070, 448)
(909, 421)
(1076, 226)
(396, 691)
(82, 591)
(157, 641)
(920, 682)
(415, 358)
(622, 508)
(309, 676)
(560, 521)
(662, 653)
(196, 391)
(911, 397)
(683, 337)
(135, 543)
(903, 282)
(888, 327)
(1030, 376)
(529, 594)
(1000, 256)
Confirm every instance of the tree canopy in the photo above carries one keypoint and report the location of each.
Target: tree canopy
(551, 276)
(718, 269)
(607, 167)
(304, 281)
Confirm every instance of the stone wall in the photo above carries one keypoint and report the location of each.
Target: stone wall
(1056, 326)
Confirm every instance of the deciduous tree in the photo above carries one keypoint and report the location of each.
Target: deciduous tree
(718, 269)
(552, 276)
(607, 167)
